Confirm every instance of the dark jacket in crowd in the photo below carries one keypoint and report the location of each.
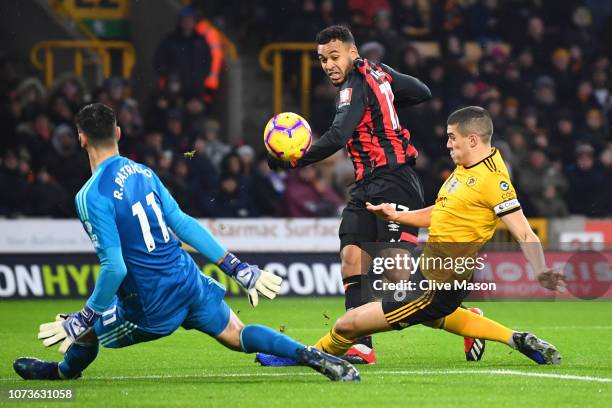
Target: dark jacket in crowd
(187, 57)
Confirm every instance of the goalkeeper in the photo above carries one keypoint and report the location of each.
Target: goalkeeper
(148, 285)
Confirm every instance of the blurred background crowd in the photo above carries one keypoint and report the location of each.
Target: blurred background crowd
(543, 72)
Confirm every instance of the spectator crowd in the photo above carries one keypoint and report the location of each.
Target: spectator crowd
(542, 70)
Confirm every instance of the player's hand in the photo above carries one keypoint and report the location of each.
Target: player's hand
(552, 279)
(52, 333)
(277, 164)
(254, 280)
(69, 328)
(385, 211)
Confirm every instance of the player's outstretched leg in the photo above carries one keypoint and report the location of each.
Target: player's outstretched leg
(355, 323)
(76, 359)
(360, 351)
(255, 338)
(370, 318)
(465, 323)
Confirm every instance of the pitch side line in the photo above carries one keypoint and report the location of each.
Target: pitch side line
(504, 372)
(575, 327)
(390, 372)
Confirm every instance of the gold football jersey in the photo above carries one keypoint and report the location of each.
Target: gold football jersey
(471, 200)
(465, 216)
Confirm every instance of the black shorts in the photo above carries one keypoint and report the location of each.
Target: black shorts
(400, 186)
(421, 304)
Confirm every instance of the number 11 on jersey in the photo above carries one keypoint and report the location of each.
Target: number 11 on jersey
(139, 211)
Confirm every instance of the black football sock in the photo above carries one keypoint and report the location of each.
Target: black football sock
(357, 292)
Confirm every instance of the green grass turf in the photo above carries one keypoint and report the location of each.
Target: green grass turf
(188, 368)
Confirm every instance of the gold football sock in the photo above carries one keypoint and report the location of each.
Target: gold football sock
(469, 324)
(333, 343)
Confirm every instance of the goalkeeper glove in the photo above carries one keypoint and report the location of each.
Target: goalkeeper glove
(251, 278)
(69, 328)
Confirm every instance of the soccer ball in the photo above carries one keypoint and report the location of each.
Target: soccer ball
(287, 136)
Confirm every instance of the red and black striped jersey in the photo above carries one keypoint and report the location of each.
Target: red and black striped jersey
(366, 121)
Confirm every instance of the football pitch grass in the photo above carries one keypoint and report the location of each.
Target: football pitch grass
(417, 367)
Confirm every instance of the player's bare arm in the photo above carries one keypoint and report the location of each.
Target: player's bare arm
(532, 249)
(420, 218)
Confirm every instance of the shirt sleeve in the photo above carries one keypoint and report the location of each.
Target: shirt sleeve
(500, 195)
(112, 273)
(97, 215)
(98, 218)
(187, 228)
(407, 90)
(350, 107)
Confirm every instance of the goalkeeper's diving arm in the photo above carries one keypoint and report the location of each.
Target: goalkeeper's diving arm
(112, 273)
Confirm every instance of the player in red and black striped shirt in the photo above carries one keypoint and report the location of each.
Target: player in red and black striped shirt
(366, 123)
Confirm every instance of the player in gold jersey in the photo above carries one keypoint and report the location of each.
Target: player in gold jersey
(470, 204)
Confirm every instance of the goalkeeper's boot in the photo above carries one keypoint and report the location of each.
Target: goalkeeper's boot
(30, 368)
(538, 350)
(269, 360)
(334, 368)
(361, 352)
(474, 348)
